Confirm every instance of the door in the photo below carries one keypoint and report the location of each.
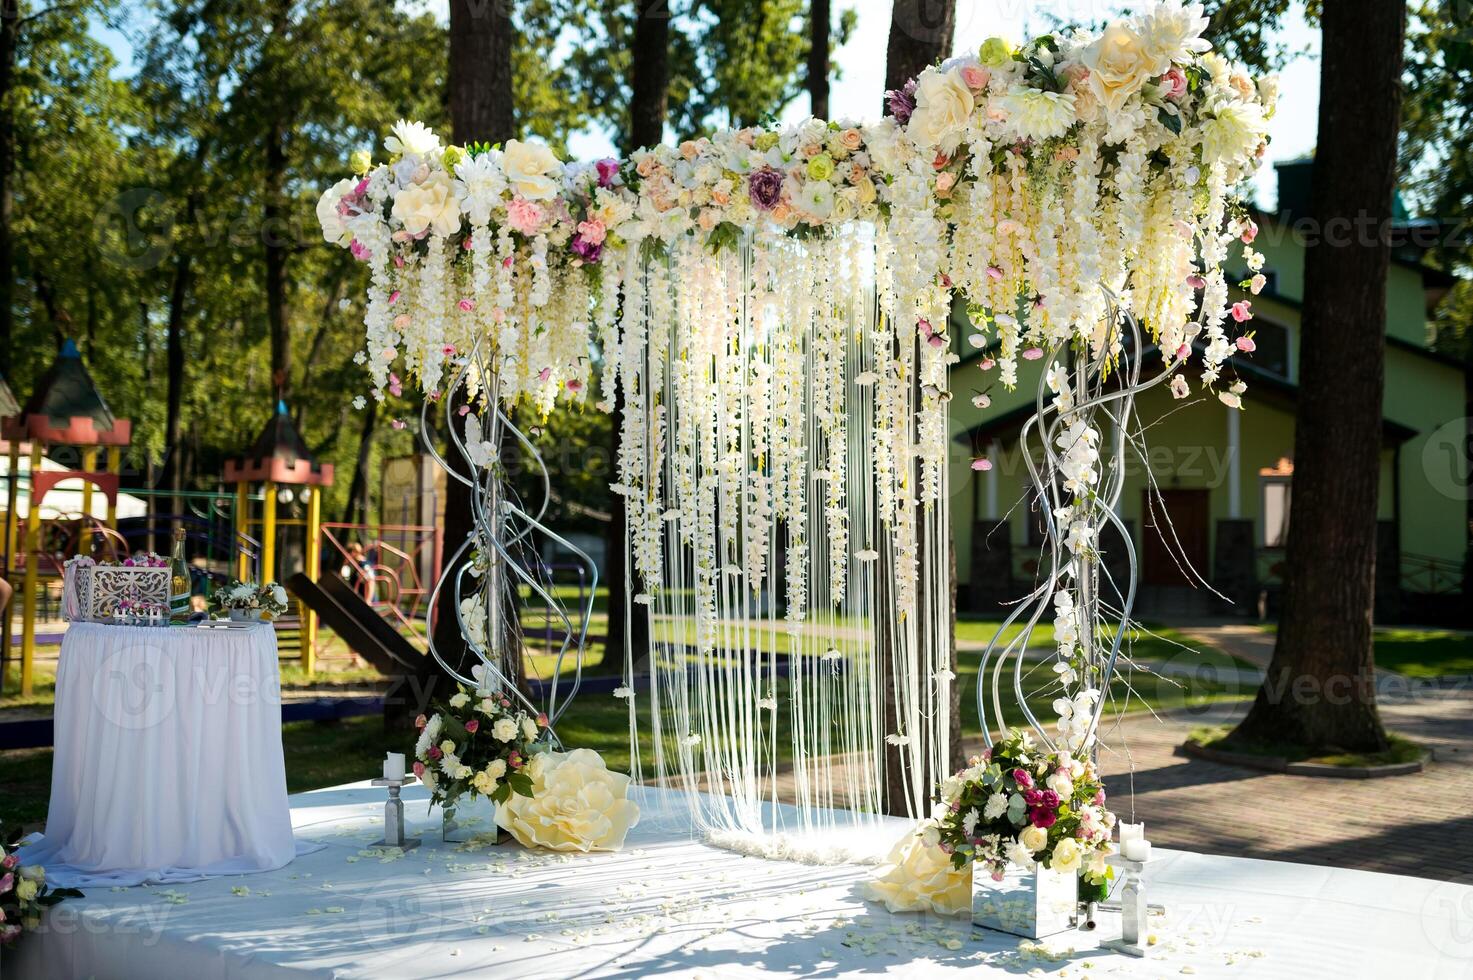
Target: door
(1176, 539)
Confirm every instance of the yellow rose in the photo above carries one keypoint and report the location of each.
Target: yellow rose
(25, 889)
(918, 877)
(1033, 838)
(1066, 856)
(1118, 65)
(531, 170)
(944, 105)
(577, 804)
(430, 205)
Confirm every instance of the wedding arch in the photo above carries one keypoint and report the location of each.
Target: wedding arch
(779, 311)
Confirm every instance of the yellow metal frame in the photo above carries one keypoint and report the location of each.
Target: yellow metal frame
(270, 523)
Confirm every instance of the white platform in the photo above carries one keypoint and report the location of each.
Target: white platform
(669, 906)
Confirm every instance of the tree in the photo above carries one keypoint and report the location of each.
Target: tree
(920, 35)
(1320, 686)
(817, 76)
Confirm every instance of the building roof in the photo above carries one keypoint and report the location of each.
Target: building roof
(67, 409)
(279, 455)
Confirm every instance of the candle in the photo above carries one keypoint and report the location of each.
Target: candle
(394, 766)
(1136, 849)
(1132, 831)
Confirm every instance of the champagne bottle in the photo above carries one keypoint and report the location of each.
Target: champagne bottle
(179, 582)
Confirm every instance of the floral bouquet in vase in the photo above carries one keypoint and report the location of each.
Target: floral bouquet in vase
(1038, 817)
(475, 746)
(249, 602)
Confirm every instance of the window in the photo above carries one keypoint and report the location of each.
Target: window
(1275, 511)
(1272, 348)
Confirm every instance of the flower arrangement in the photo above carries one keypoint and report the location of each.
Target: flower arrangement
(476, 744)
(1018, 805)
(23, 895)
(270, 599)
(146, 559)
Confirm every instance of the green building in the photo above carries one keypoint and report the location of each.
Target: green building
(1226, 476)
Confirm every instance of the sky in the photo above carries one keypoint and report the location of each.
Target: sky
(856, 91)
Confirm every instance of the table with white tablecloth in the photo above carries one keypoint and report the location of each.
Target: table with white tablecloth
(168, 762)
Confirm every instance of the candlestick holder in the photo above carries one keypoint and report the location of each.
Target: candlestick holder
(1135, 912)
(394, 815)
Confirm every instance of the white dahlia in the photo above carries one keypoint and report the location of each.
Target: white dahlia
(1039, 115)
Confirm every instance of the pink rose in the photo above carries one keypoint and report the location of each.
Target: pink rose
(472, 726)
(1246, 344)
(1175, 83)
(542, 715)
(1242, 311)
(523, 215)
(6, 883)
(1032, 353)
(466, 305)
(1196, 282)
(1042, 817)
(419, 770)
(1250, 232)
(593, 231)
(1022, 778)
(976, 77)
(10, 861)
(435, 753)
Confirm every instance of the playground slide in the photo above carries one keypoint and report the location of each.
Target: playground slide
(363, 629)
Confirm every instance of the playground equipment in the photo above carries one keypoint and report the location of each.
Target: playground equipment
(66, 409)
(278, 461)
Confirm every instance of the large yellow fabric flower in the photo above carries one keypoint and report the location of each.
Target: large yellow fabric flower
(917, 876)
(577, 804)
(429, 205)
(944, 106)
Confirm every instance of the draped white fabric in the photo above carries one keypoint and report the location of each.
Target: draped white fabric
(668, 906)
(168, 763)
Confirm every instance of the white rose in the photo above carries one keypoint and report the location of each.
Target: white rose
(1118, 65)
(448, 747)
(1033, 838)
(944, 106)
(460, 700)
(428, 206)
(496, 768)
(577, 804)
(278, 594)
(334, 231)
(529, 728)
(1059, 782)
(504, 730)
(531, 169)
(1066, 856)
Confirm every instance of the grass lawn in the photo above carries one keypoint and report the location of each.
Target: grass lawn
(1419, 652)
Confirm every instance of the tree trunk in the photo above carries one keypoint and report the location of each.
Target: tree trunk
(480, 111)
(650, 79)
(920, 35)
(818, 58)
(356, 511)
(178, 292)
(1320, 686)
(275, 230)
(647, 109)
(9, 30)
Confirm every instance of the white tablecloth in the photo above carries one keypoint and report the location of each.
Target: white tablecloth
(168, 763)
(669, 906)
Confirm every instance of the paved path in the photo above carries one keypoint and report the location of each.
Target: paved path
(1419, 825)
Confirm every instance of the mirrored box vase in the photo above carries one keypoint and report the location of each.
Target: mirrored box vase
(1033, 904)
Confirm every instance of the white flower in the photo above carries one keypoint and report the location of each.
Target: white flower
(531, 169)
(1118, 65)
(334, 231)
(460, 700)
(529, 728)
(1033, 838)
(817, 198)
(1234, 132)
(1230, 398)
(1039, 115)
(428, 206)
(504, 729)
(427, 736)
(1172, 33)
(896, 739)
(1179, 387)
(624, 693)
(767, 704)
(1019, 855)
(480, 185)
(1060, 783)
(944, 106)
(496, 768)
(412, 137)
(359, 403)
(969, 821)
(577, 804)
(996, 806)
